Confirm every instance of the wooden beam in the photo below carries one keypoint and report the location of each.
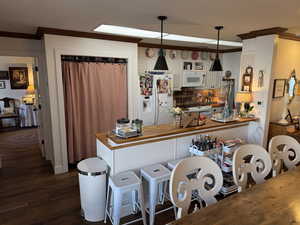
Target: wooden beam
(45, 30)
(263, 32)
(18, 35)
(186, 48)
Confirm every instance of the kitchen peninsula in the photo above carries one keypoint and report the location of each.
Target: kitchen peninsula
(162, 143)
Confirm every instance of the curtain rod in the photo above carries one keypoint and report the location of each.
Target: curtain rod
(72, 58)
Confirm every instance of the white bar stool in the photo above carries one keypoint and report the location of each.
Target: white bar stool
(173, 163)
(157, 177)
(118, 185)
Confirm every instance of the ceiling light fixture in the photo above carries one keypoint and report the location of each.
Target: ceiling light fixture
(216, 66)
(161, 63)
(133, 32)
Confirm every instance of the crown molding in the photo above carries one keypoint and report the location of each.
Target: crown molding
(18, 35)
(41, 31)
(263, 32)
(289, 36)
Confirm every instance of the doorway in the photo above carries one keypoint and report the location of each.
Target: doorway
(20, 119)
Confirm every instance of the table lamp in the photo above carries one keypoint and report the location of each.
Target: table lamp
(245, 98)
(30, 90)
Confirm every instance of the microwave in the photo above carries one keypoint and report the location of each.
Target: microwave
(192, 78)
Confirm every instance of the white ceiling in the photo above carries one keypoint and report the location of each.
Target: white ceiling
(188, 17)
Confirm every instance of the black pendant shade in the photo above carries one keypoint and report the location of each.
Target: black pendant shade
(161, 63)
(216, 66)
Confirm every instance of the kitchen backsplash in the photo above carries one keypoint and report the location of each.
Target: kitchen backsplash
(191, 97)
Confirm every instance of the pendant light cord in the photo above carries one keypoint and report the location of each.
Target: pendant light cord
(161, 33)
(218, 42)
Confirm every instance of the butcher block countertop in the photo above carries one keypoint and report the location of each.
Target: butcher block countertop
(165, 132)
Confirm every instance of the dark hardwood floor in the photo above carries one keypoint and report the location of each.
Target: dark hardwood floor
(30, 194)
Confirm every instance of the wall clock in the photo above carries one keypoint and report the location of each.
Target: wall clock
(247, 79)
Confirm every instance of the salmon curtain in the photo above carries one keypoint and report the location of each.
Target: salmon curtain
(95, 97)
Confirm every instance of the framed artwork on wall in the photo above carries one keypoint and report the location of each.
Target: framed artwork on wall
(279, 88)
(4, 75)
(18, 77)
(2, 85)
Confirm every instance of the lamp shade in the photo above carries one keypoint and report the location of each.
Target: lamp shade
(30, 90)
(161, 63)
(216, 66)
(243, 97)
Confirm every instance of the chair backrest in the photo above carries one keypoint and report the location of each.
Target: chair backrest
(253, 160)
(289, 154)
(208, 181)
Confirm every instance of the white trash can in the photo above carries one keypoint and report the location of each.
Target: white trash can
(92, 185)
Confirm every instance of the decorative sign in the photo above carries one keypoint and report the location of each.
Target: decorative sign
(279, 88)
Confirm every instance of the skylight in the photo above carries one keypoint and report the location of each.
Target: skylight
(128, 31)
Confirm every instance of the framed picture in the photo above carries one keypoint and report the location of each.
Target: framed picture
(4, 75)
(279, 88)
(2, 85)
(18, 77)
(199, 66)
(187, 65)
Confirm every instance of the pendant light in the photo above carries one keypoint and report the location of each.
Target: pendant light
(161, 63)
(216, 66)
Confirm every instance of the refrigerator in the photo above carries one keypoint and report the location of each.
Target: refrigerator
(156, 98)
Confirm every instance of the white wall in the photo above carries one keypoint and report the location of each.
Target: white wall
(287, 58)
(55, 46)
(230, 61)
(258, 53)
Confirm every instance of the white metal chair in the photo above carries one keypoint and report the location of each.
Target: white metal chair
(157, 177)
(253, 160)
(289, 155)
(118, 186)
(208, 182)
